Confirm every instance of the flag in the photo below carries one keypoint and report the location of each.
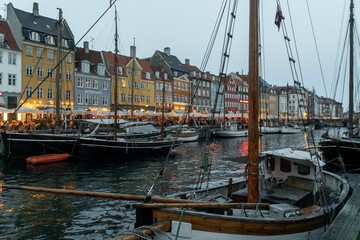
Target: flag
(278, 17)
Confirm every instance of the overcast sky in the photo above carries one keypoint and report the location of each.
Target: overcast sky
(186, 26)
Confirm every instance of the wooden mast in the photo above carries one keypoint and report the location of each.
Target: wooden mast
(58, 71)
(116, 80)
(253, 149)
(351, 70)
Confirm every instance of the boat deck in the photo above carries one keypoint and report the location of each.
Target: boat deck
(275, 193)
(346, 224)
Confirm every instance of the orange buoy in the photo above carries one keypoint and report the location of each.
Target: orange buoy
(48, 158)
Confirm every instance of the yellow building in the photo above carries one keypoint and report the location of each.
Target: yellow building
(136, 82)
(43, 46)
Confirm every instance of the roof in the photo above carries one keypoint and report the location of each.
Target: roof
(173, 62)
(43, 25)
(94, 57)
(9, 37)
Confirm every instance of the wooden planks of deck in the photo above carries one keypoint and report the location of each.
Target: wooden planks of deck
(346, 225)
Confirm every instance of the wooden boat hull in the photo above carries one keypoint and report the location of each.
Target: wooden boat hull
(290, 130)
(311, 219)
(48, 158)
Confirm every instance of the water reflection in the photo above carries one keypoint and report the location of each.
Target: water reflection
(31, 215)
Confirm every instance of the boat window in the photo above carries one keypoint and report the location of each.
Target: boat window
(285, 165)
(303, 170)
(270, 163)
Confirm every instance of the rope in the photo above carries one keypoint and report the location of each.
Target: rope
(180, 221)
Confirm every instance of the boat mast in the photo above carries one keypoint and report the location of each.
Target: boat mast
(132, 84)
(351, 70)
(253, 149)
(116, 79)
(58, 71)
(163, 107)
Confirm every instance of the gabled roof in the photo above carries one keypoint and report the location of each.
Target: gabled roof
(94, 57)
(123, 61)
(43, 25)
(9, 41)
(173, 62)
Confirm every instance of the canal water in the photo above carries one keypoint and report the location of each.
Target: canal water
(32, 215)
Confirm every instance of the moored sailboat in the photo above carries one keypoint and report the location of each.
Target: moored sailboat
(343, 152)
(283, 196)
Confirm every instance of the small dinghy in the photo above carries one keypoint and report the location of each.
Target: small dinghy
(48, 158)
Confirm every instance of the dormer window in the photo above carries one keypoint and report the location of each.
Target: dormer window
(147, 75)
(165, 76)
(35, 36)
(120, 71)
(101, 70)
(64, 43)
(2, 39)
(157, 75)
(176, 73)
(85, 67)
(50, 40)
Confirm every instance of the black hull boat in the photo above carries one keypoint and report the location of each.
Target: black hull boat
(121, 149)
(20, 145)
(341, 151)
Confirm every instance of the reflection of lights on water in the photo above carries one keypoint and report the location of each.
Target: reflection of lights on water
(10, 210)
(243, 147)
(39, 196)
(1, 205)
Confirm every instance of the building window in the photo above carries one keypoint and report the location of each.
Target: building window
(68, 95)
(68, 75)
(64, 43)
(39, 71)
(85, 67)
(35, 36)
(104, 101)
(142, 98)
(50, 73)
(80, 82)
(129, 84)
(39, 93)
(136, 85)
(95, 100)
(0, 78)
(101, 70)
(39, 52)
(142, 85)
(1, 54)
(50, 40)
(123, 97)
(87, 99)
(28, 91)
(95, 84)
(87, 83)
(11, 79)
(68, 58)
(147, 99)
(136, 98)
(50, 54)
(80, 99)
(147, 75)
(129, 98)
(49, 93)
(119, 70)
(105, 85)
(12, 58)
(29, 51)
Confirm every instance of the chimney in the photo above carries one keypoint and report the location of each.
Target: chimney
(86, 46)
(167, 51)
(187, 61)
(35, 9)
(133, 51)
